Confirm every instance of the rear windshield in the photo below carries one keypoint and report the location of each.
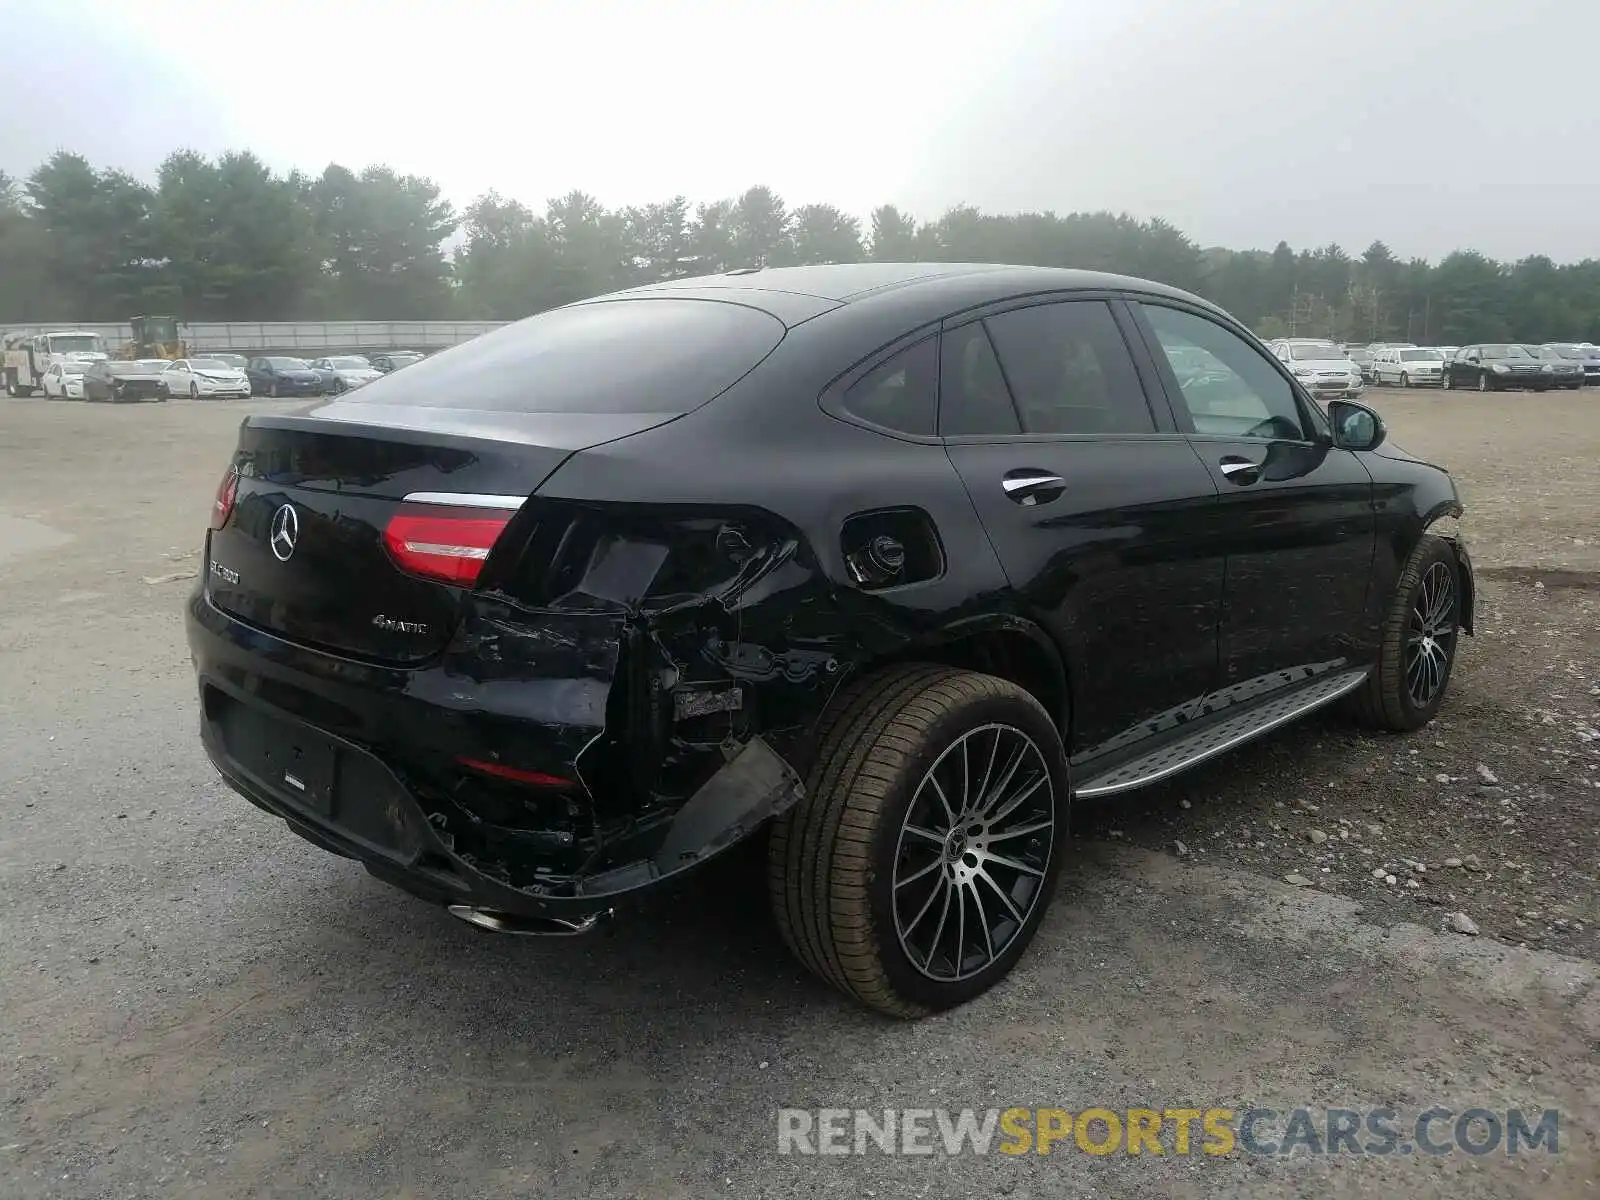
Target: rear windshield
(1420, 356)
(616, 356)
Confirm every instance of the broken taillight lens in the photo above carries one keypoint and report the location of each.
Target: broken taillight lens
(517, 774)
(227, 493)
(445, 546)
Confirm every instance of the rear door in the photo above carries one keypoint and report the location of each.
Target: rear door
(1296, 515)
(1096, 506)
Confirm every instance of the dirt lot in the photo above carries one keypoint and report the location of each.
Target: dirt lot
(196, 1003)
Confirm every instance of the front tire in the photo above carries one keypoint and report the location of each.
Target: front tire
(1417, 652)
(1484, 382)
(917, 868)
(194, 391)
(1405, 380)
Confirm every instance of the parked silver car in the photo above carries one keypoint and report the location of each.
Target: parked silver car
(1321, 366)
(1408, 366)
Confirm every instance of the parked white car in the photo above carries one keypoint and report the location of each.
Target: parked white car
(1324, 369)
(63, 380)
(1408, 366)
(204, 378)
(345, 371)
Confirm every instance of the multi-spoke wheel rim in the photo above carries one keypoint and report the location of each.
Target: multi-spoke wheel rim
(973, 852)
(1431, 636)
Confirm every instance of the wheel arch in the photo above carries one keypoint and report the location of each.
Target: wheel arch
(1009, 646)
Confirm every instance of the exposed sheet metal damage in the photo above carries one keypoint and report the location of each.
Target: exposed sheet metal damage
(676, 715)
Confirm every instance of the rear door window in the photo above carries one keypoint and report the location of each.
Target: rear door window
(973, 398)
(1069, 370)
(614, 356)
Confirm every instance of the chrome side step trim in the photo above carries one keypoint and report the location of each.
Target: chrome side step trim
(1220, 737)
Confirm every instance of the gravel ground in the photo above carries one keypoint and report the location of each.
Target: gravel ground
(197, 1003)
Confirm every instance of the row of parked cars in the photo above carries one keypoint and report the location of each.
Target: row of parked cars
(218, 376)
(1332, 370)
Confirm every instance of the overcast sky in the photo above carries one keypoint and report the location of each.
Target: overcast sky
(1433, 124)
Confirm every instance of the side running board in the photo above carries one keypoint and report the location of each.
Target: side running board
(1217, 737)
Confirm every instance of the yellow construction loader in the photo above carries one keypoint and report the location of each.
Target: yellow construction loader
(154, 337)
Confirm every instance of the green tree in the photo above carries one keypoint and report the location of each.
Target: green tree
(382, 234)
(820, 233)
(894, 235)
(758, 228)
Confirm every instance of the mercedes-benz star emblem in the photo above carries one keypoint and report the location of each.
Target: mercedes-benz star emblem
(285, 532)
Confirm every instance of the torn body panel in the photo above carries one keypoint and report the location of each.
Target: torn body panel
(632, 696)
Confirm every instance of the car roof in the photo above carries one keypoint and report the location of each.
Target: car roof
(796, 294)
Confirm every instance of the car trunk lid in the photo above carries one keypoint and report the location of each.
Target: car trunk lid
(362, 536)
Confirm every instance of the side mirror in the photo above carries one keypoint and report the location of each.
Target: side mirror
(1355, 426)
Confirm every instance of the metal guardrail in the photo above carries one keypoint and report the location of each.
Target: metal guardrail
(320, 336)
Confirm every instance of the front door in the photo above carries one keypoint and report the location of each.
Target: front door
(1296, 516)
(1095, 506)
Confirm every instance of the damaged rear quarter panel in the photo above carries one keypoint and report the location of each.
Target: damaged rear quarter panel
(683, 592)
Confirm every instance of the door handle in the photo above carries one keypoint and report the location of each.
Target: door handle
(1240, 470)
(1029, 486)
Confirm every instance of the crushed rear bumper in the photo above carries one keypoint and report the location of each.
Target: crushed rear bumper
(356, 759)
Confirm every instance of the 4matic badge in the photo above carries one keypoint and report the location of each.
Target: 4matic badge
(390, 625)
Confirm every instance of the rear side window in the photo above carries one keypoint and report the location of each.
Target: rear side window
(615, 356)
(1070, 370)
(973, 398)
(899, 394)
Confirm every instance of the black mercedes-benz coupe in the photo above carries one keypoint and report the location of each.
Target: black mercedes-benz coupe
(886, 564)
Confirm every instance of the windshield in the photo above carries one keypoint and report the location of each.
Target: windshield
(208, 364)
(1505, 352)
(72, 368)
(1420, 356)
(128, 368)
(154, 364)
(1322, 353)
(290, 364)
(72, 343)
(348, 364)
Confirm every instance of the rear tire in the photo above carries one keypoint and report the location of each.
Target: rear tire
(874, 839)
(1417, 650)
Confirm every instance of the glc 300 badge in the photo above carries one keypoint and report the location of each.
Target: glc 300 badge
(390, 625)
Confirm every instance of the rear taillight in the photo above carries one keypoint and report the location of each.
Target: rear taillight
(227, 493)
(449, 547)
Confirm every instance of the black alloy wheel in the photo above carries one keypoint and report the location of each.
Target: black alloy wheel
(916, 869)
(1418, 642)
(973, 849)
(1430, 634)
